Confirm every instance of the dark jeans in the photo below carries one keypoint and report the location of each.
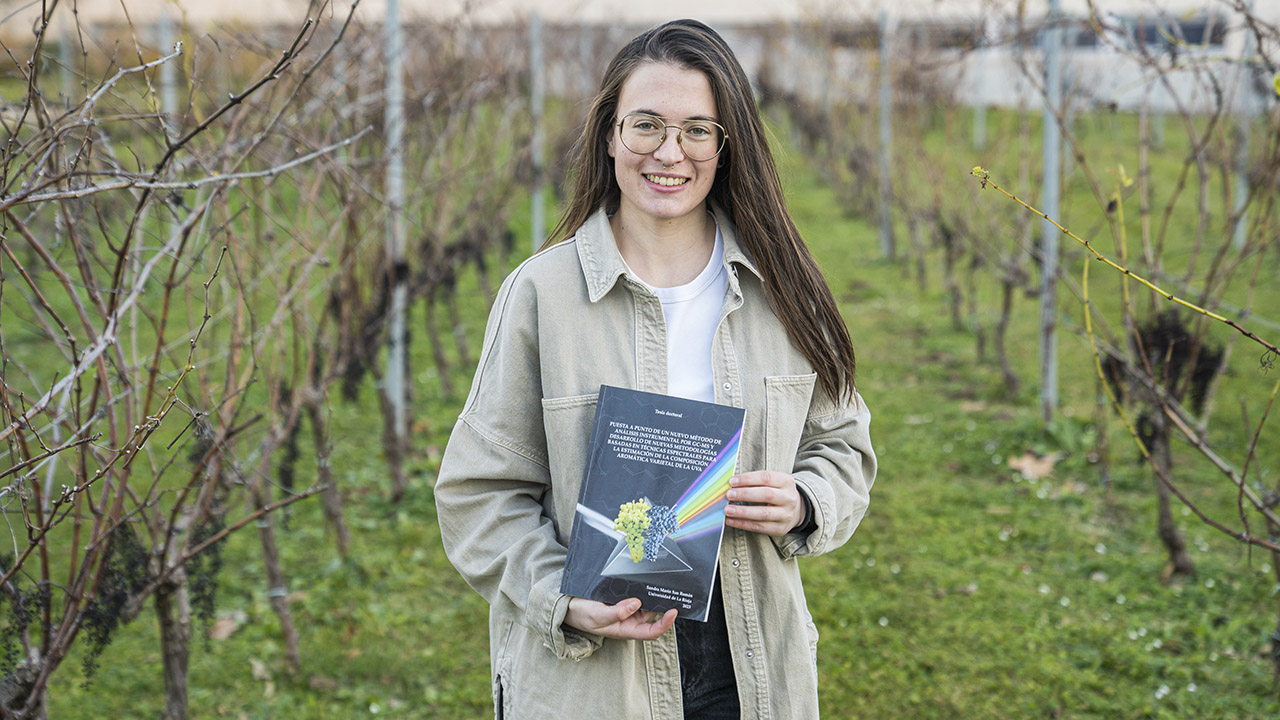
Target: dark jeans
(707, 684)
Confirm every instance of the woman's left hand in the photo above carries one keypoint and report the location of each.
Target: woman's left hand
(776, 508)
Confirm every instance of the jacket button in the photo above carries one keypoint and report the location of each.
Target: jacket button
(727, 386)
(735, 562)
(750, 654)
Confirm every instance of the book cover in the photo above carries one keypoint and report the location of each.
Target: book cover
(650, 511)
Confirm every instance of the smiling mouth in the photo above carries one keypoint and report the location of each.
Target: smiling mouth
(666, 181)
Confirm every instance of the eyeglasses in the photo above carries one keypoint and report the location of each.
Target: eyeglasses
(700, 140)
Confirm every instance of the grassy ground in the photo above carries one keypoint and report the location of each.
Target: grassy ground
(970, 591)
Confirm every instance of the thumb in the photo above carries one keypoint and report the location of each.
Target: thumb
(627, 608)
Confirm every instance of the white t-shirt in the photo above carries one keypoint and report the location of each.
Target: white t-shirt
(692, 312)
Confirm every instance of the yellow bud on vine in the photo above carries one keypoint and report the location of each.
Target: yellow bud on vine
(1125, 180)
(979, 172)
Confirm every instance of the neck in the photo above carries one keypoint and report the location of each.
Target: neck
(665, 253)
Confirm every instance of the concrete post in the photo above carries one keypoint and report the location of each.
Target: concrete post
(887, 249)
(1049, 204)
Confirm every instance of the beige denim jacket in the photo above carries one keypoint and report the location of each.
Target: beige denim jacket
(566, 321)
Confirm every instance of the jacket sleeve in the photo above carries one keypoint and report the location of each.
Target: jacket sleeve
(835, 468)
(493, 494)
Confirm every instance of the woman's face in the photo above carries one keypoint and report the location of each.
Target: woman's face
(664, 184)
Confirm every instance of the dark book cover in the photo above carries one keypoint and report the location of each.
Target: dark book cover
(651, 509)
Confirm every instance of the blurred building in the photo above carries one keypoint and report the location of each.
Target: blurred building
(979, 51)
(18, 16)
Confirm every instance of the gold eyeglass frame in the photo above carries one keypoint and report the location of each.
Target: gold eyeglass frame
(724, 134)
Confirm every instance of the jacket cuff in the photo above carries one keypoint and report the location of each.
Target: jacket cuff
(546, 612)
(808, 524)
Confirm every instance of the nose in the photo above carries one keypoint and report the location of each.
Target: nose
(670, 152)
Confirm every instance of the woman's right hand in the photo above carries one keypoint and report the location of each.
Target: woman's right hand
(624, 620)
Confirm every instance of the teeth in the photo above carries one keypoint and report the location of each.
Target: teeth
(667, 181)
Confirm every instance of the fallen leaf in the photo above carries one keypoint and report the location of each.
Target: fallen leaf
(1032, 466)
(223, 627)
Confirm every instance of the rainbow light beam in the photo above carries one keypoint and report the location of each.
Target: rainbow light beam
(706, 493)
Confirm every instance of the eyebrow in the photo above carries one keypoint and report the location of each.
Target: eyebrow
(660, 116)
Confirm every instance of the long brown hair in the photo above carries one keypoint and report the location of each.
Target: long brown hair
(747, 186)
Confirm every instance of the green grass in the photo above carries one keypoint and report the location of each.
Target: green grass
(968, 592)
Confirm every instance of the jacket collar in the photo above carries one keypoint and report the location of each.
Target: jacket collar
(602, 264)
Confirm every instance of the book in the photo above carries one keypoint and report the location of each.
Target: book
(650, 514)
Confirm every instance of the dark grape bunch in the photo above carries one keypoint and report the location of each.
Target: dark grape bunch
(662, 522)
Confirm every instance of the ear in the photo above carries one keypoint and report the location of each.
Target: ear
(612, 152)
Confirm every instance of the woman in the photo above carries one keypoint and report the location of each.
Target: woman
(680, 272)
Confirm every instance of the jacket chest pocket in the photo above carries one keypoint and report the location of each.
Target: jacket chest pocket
(568, 422)
(786, 406)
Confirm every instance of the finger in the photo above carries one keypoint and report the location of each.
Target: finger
(763, 519)
(650, 617)
(759, 518)
(755, 526)
(772, 529)
(760, 512)
(603, 616)
(663, 623)
(765, 495)
(755, 478)
(624, 609)
(640, 628)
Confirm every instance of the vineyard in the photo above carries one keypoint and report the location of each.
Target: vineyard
(244, 281)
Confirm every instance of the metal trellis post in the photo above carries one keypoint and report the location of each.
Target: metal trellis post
(886, 141)
(1049, 203)
(537, 82)
(1244, 117)
(397, 353)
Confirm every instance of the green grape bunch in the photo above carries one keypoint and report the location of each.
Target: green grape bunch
(633, 521)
